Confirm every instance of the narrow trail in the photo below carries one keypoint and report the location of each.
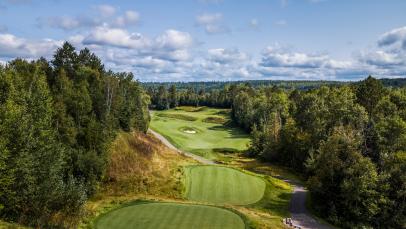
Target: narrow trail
(299, 214)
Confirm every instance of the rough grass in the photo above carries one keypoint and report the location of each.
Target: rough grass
(7, 225)
(209, 138)
(214, 119)
(140, 163)
(222, 185)
(191, 109)
(178, 116)
(169, 215)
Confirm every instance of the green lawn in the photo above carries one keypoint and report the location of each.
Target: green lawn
(169, 215)
(222, 185)
(203, 131)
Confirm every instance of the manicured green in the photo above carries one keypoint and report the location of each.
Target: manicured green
(170, 215)
(222, 185)
(211, 137)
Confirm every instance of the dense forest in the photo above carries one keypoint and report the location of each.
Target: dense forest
(348, 141)
(285, 84)
(57, 120)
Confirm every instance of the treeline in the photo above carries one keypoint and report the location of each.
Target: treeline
(57, 120)
(208, 86)
(219, 85)
(348, 141)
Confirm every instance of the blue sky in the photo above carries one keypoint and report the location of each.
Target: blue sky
(196, 40)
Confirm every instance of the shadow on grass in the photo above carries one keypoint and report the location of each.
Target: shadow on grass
(276, 199)
(231, 130)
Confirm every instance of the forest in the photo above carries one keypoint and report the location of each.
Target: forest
(348, 141)
(57, 120)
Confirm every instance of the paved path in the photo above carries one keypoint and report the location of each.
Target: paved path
(168, 144)
(299, 214)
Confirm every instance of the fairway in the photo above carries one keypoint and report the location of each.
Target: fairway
(169, 215)
(221, 185)
(202, 131)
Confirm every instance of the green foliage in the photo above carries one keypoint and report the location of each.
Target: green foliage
(356, 182)
(56, 123)
(343, 183)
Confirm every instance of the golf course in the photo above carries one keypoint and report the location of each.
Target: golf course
(208, 187)
(203, 131)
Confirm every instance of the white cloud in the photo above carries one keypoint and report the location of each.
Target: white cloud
(212, 23)
(389, 57)
(68, 23)
(103, 17)
(12, 46)
(206, 18)
(225, 56)
(276, 57)
(129, 18)
(173, 39)
(103, 35)
(254, 23)
(106, 10)
(394, 37)
(382, 59)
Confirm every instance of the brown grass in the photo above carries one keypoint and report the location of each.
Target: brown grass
(140, 163)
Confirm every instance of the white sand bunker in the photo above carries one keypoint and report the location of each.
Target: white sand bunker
(188, 130)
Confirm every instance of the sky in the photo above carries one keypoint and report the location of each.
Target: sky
(216, 40)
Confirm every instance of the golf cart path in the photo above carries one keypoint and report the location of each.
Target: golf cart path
(299, 214)
(168, 144)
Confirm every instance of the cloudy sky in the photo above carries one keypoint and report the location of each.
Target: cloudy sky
(196, 40)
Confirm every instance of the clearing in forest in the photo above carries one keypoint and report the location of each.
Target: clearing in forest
(203, 131)
(169, 215)
(222, 185)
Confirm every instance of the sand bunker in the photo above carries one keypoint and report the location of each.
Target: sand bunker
(188, 130)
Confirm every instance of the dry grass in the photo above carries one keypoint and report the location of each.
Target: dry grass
(140, 163)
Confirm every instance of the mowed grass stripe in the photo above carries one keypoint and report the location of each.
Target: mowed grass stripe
(222, 185)
(170, 216)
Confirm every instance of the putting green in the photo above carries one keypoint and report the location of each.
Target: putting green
(221, 185)
(209, 135)
(169, 215)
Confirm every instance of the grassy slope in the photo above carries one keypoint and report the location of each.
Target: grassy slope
(170, 215)
(222, 185)
(211, 137)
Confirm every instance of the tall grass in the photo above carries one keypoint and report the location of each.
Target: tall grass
(140, 163)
